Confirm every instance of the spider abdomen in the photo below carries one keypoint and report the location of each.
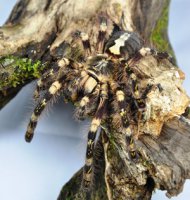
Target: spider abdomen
(123, 43)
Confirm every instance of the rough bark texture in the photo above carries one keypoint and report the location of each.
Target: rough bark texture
(36, 31)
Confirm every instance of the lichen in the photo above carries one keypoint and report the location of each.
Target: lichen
(16, 71)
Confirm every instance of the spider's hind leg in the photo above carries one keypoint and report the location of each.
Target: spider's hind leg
(54, 88)
(96, 121)
(124, 111)
(144, 51)
(140, 107)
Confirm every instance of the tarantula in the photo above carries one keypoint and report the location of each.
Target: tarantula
(102, 84)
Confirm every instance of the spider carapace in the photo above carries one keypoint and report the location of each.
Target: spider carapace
(101, 85)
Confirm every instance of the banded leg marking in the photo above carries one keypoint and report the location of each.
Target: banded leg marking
(54, 88)
(123, 107)
(124, 111)
(49, 75)
(96, 121)
(88, 81)
(83, 108)
(102, 34)
(138, 98)
(80, 112)
(43, 81)
(86, 42)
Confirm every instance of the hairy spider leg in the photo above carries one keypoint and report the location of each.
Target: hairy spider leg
(74, 76)
(86, 100)
(84, 83)
(158, 55)
(102, 34)
(124, 110)
(43, 82)
(49, 76)
(89, 81)
(139, 103)
(86, 43)
(96, 121)
(54, 88)
(140, 100)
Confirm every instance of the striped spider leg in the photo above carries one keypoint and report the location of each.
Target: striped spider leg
(124, 111)
(53, 90)
(102, 34)
(101, 38)
(124, 108)
(139, 99)
(95, 124)
(85, 106)
(48, 77)
(53, 85)
(85, 41)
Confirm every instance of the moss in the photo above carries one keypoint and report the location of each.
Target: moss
(16, 71)
(159, 36)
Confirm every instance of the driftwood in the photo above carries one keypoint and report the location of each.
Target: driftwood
(37, 31)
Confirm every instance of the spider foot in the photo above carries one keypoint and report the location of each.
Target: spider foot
(28, 137)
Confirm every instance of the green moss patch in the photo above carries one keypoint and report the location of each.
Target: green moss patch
(16, 71)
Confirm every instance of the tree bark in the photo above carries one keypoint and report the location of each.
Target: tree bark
(36, 35)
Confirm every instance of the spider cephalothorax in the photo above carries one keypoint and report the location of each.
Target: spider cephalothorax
(100, 85)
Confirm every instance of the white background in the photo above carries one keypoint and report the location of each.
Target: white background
(38, 170)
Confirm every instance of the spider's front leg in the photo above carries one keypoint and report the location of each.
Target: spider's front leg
(49, 76)
(96, 121)
(53, 90)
